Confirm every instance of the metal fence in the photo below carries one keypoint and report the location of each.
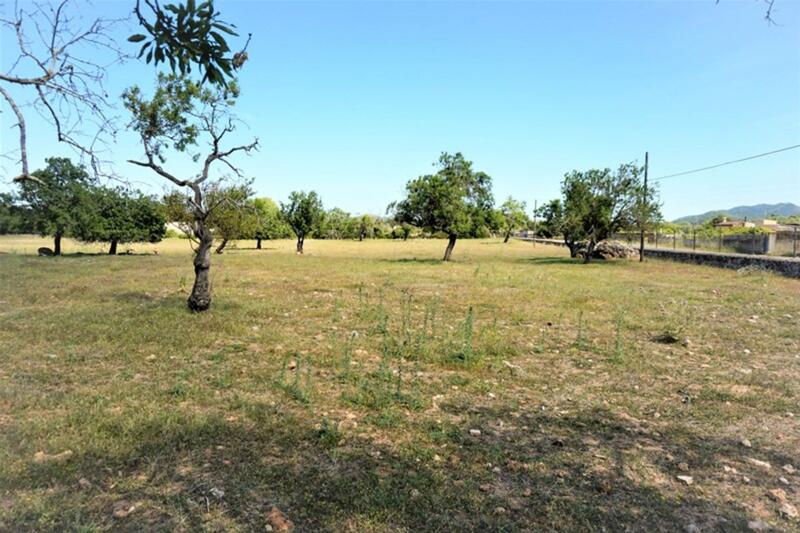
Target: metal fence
(779, 243)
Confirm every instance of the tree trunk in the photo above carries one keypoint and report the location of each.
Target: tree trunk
(113, 249)
(258, 244)
(221, 246)
(589, 251)
(451, 242)
(508, 235)
(57, 244)
(200, 299)
(300, 244)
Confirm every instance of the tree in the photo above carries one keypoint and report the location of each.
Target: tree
(598, 203)
(121, 216)
(513, 212)
(365, 225)
(58, 68)
(232, 215)
(454, 200)
(303, 213)
(59, 199)
(177, 115)
(338, 224)
(551, 215)
(270, 225)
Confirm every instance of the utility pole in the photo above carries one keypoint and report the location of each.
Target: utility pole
(643, 211)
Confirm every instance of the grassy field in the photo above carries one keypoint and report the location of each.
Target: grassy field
(369, 387)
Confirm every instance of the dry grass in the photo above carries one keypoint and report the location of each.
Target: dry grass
(341, 387)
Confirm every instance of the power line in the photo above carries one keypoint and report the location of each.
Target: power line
(727, 163)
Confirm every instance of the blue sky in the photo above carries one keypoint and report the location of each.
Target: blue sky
(352, 99)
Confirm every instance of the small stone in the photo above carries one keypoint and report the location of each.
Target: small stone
(84, 483)
(757, 525)
(789, 469)
(475, 432)
(41, 457)
(746, 443)
(692, 528)
(415, 493)
(746, 351)
(496, 470)
(278, 520)
(122, 509)
(729, 469)
(783, 480)
(762, 464)
(499, 510)
(683, 467)
(686, 479)
(217, 492)
(777, 495)
(151, 357)
(788, 510)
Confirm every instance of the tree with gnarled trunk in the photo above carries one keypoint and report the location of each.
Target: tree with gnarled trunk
(454, 200)
(304, 214)
(176, 117)
(58, 68)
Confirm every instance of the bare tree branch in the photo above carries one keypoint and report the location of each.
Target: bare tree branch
(60, 70)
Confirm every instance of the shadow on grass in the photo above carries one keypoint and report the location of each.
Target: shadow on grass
(566, 261)
(592, 471)
(402, 260)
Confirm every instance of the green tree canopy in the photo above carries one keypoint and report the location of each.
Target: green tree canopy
(59, 199)
(598, 203)
(304, 214)
(121, 216)
(514, 216)
(454, 200)
(231, 213)
(270, 223)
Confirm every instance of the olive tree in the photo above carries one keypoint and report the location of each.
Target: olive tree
(513, 212)
(178, 115)
(454, 200)
(598, 203)
(304, 214)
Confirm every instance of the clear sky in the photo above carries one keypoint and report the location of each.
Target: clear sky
(352, 99)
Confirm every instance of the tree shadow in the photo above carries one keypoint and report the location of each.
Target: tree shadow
(566, 261)
(525, 471)
(414, 260)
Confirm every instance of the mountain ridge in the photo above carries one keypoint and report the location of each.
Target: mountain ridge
(783, 209)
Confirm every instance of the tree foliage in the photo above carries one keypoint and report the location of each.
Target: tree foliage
(187, 35)
(231, 213)
(59, 199)
(454, 200)
(597, 203)
(121, 216)
(270, 224)
(513, 212)
(304, 214)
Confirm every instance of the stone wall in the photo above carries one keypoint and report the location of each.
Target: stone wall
(781, 265)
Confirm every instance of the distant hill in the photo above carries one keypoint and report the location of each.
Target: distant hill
(749, 211)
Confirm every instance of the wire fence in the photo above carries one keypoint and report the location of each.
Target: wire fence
(785, 243)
